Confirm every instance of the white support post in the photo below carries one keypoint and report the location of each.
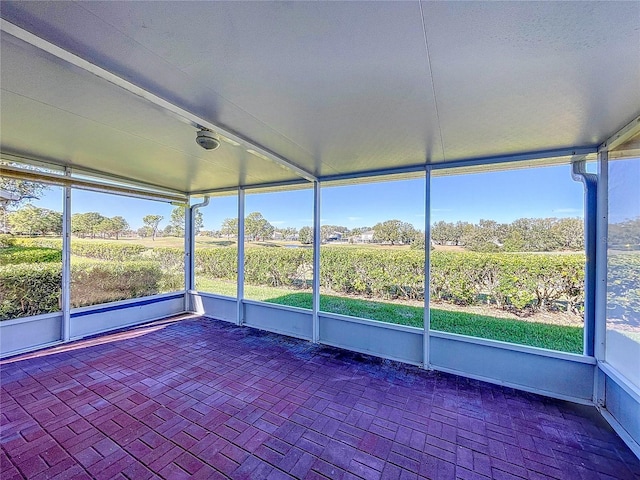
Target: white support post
(240, 286)
(316, 262)
(427, 270)
(188, 251)
(66, 262)
(600, 331)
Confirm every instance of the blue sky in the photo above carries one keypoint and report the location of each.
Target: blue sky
(501, 196)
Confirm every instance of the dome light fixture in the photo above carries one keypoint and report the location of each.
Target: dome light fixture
(207, 139)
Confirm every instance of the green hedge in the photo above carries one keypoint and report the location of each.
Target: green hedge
(278, 267)
(218, 262)
(29, 289)
(44, 242)
(33, 289)
(16, 255)
(93, 283)
(114, 252)
(514, 281)
(7, 240)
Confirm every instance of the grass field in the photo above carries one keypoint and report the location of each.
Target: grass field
(535, 334)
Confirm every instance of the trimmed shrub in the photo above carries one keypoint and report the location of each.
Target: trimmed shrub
(29, 289)
(115, 252)
(171, 262)
(34, 289)
(518, 282)
(44, 242)
(277, 266)
(7, 240)
(217, 262)
(93, 283)
(16, 255)
(171, 259)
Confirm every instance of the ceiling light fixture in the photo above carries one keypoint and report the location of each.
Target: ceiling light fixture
(207, 139)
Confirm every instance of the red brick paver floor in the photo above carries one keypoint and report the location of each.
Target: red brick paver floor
(205, 399)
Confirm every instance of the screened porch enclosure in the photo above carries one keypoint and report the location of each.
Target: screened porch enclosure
(102, 102)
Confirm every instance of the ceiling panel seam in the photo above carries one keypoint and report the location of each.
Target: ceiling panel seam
(433, 87)
(178, 112)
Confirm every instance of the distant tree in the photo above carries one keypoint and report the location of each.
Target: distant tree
(177, 221)
(144, 232)
(113, 227)
(86, 224)
(486, 236)
(32, 220)
(325, 232)
(167, 231)
(256, 227)
(229, 227)
(418, 239)
(22, 190)
(625, 235)
(569, 233)
(328, 231)
(358, 231)
(460, 231)
(393, 231)
(305, 235)
(288, 233)
(152, 222)
(442, 232)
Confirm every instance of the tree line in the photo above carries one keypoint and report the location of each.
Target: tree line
(31, 220)
(524, 234)
(258, 228)
(521, 235)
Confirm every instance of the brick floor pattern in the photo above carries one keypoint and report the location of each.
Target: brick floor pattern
(201, 398)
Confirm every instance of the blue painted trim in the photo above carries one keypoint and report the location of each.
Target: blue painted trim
(139, 303)
(590, 182)
(591, 241)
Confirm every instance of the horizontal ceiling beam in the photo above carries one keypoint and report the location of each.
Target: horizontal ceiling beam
(91, 174)
(621, 136)
(86, 184)
(517, 157)
(467, 162)
(177, 112)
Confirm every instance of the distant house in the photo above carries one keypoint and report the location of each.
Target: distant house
(334, 237)
(277, 236)
(366, 237)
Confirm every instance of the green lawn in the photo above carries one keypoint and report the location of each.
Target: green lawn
(553, 337)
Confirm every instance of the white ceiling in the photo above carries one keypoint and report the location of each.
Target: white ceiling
(335, 88)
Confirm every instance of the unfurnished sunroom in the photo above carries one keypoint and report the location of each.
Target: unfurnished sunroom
(326, 349)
